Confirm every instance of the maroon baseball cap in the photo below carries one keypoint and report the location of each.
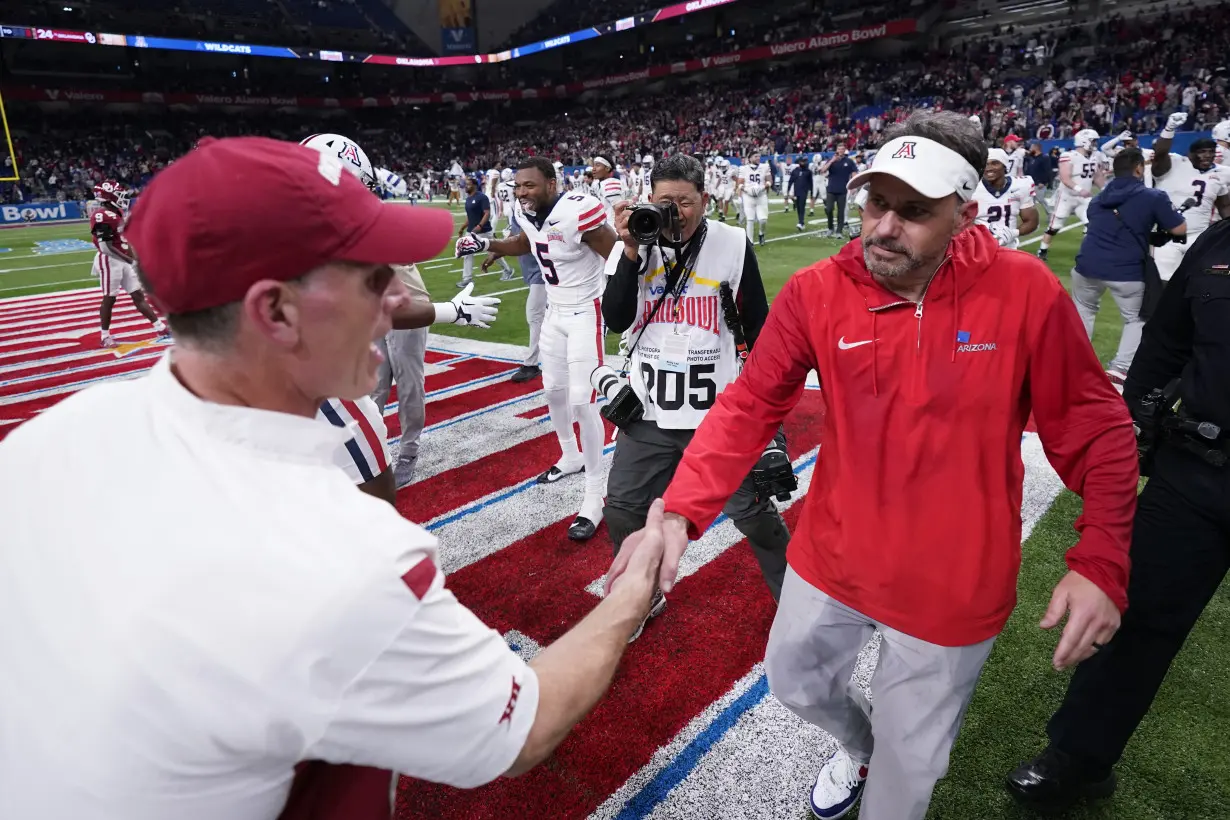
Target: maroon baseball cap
(236, 211)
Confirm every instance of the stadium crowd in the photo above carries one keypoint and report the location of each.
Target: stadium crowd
(1133, 79)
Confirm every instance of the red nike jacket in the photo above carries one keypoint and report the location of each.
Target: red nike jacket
(913, 517)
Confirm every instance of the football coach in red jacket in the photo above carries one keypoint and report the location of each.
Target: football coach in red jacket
(933, 346)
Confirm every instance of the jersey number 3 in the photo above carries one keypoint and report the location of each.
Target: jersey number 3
(671, 393)
(548, 267)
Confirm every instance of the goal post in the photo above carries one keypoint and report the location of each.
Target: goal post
(14, 176)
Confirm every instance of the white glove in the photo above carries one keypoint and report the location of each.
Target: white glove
(470, 244)
(465, 309)
(1172, 124)
(1126, 135)
(1003, 234)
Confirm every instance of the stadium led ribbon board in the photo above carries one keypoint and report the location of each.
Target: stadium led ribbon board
(207, 46)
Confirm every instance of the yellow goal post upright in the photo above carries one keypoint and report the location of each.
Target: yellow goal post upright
(8, 145)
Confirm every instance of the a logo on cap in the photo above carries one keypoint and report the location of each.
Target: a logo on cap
(906, 151)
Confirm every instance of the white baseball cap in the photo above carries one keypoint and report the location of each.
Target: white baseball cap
(933, 170)
(998, 155)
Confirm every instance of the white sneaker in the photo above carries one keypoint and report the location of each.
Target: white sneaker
(656, 608)
(838, 786)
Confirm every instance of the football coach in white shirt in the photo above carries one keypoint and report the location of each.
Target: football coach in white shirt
(269, 614)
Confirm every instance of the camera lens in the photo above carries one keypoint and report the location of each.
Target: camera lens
(645, 225)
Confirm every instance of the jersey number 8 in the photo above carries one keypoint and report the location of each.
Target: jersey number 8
(700, 392)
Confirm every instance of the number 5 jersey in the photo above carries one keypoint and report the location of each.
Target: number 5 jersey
(572, 271)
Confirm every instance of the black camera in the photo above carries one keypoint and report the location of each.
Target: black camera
(622, 407)
(773, 474)
(648, 222)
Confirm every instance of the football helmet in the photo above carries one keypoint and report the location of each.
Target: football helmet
(1085, 138)
(507, 175)
(1221, 131)
(647, 160)
(350, 154)
(112, 192)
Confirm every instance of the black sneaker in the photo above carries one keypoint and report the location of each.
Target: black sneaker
(1042, 253)
(525, 373)
(1055, 780)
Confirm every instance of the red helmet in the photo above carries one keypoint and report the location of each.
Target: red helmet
(112, 192)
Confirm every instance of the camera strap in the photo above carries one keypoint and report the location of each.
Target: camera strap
(676, 279)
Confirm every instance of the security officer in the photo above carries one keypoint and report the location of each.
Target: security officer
(683, 355)
(1181, 535)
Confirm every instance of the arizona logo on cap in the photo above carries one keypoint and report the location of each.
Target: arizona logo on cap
(906, 151)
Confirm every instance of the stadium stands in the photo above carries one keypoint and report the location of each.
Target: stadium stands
(1142, 69)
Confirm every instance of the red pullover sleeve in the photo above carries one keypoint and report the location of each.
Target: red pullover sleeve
(1087, 434)
(747, 413)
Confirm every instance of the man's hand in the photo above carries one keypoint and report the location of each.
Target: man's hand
(1093, 618)
(674, 531)
(1174, 121)
(466, 309)
(471, 244)
(644, 563)
(491, 259)
(632, 248)
(1126, 135)
(1002, 233)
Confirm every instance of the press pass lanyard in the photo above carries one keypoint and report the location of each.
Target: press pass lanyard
(683, 266)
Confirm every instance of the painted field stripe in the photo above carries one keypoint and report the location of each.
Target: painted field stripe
(46, 284)
(37, 297)
(32, 351)
(147, 358)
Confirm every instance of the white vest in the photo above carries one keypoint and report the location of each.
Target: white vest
(677, 399)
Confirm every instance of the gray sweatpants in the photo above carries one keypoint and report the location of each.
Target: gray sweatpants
(1087, 293)
(405, 353)
(920, 691)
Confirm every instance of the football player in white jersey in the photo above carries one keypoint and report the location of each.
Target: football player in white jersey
(1015, 155)
(753, 191)
(1198, 189)
(504, 198)
(819, 181)
(610, 188)
(646, 170)
(1221, 136)
(712, 180)
(1079, 170)
(569, 236)
(1005, 203)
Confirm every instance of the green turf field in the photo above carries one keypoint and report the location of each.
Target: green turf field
(1177, 765)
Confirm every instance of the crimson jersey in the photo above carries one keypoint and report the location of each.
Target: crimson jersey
(105, 226)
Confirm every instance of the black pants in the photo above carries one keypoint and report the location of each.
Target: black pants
(839, 200)
(1180, 553)
(800, 205)
(644, 463)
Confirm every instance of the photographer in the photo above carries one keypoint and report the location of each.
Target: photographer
(1115, 252)
(666, 292)
(1180, 536)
